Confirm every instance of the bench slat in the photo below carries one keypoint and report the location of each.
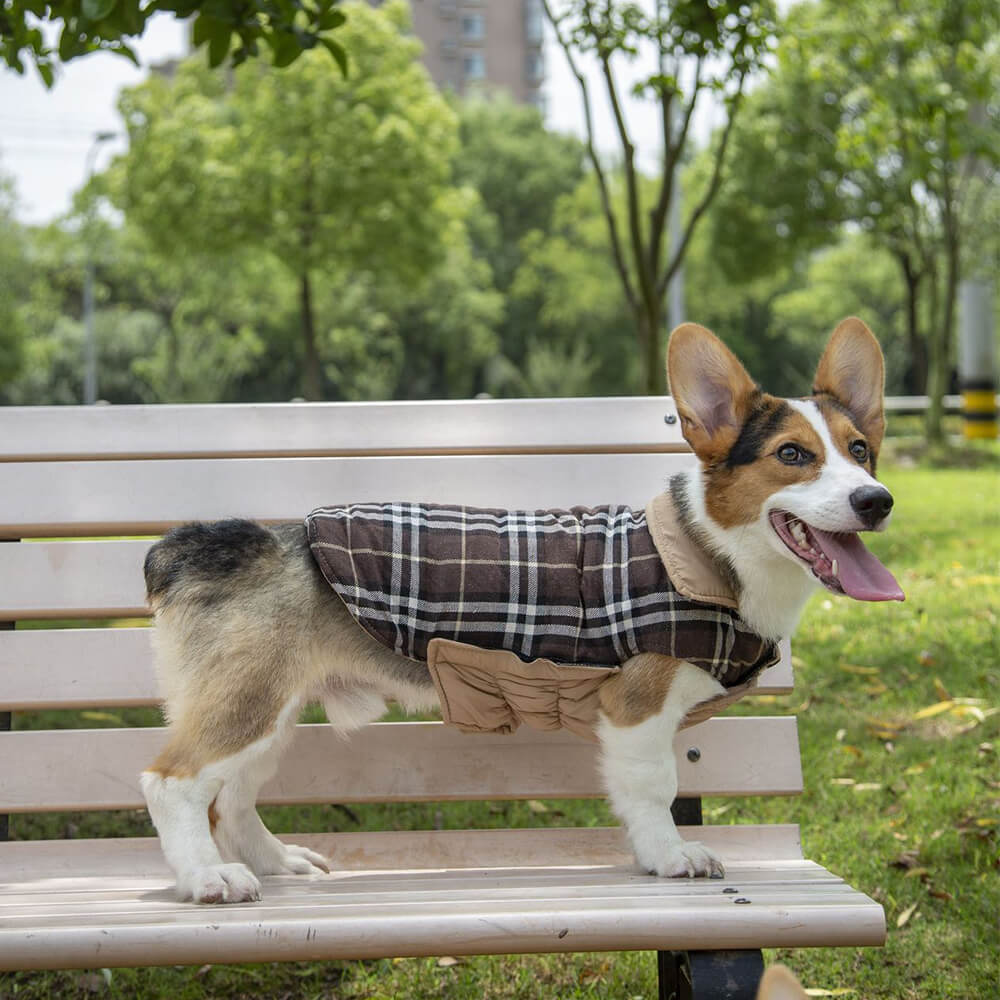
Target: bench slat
(113, 668)
(794, 904)
(396, 762)
(257, 430)
(125, 861)
(121, 498)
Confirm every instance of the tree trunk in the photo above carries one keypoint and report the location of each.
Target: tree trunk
(916, 374)
(312, 387)
(648, 321)
(939, 355)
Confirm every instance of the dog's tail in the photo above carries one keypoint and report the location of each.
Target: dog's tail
(203, 553)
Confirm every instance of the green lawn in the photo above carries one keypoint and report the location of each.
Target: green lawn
(899, 724)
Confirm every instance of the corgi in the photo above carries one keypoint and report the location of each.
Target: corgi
(780, 983)
(252, 622)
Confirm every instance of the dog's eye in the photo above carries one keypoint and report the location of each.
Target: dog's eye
(859, 450)
(792, 454)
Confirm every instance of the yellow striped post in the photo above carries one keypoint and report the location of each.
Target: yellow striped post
(979, 408)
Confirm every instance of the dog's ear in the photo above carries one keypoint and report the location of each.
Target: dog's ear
(711, 389)
(853, 373)
(779, 983)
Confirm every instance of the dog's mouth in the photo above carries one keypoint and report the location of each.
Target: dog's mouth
(839, 560)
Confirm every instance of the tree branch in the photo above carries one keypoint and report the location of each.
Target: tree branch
(710, 193)
(671, 157)
(646, 279)
(602, 183)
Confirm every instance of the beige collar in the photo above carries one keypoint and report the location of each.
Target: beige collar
(689, 566)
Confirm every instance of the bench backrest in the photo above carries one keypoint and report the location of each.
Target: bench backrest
(77, 484)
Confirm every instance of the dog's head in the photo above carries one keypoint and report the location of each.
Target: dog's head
(798, 473)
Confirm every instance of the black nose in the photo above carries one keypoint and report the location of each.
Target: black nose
(871, 504)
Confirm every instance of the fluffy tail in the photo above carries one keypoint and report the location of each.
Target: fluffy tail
(203, 552)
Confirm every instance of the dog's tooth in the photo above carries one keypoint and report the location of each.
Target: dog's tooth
(834, 567)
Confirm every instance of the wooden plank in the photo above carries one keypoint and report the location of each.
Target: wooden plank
(432, 913)
(146, 497)
(121, 862)
(47, 433)
(72, 580)
(397, 762)
(113, 668)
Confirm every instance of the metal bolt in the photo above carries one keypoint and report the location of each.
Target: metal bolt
(742, 900)
(670, 418)
(694, 755)
(729, 891)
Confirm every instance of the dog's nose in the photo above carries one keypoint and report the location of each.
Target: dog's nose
(871, 504)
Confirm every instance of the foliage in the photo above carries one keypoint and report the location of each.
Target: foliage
(15, 271)
(880, 114)
(320, 170)
(698, 48)
(287, 27)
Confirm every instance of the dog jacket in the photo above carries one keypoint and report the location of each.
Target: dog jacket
(520, 615)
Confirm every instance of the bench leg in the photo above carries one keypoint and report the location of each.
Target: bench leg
(709, 975)
(5, 725)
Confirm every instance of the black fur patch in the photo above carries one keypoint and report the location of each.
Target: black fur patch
(205, 550)
(765, 418)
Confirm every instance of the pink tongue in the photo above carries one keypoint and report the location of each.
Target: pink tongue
(861, 575)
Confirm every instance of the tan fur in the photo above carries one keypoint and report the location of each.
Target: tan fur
(735, 496)
(779, 983)
(697, 361)
(640, 690)
(844, 432)
(228, 670)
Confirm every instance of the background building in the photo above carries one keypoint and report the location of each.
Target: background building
(483, 43)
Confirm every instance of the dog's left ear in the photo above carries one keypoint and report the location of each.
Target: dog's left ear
(852, 371)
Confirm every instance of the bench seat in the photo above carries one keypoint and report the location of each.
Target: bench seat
(475, 892)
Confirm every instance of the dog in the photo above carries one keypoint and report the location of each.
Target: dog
(251, 622)
(780, 983)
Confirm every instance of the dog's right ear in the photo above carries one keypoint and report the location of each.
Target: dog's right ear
(780, 984)
(711, 389)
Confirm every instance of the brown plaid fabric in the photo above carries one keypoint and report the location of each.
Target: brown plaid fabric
(580, 586)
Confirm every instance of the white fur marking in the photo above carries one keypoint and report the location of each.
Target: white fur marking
(640, 774)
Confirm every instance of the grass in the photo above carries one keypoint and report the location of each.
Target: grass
(896, 707)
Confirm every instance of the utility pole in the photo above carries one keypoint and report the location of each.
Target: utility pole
(90, 362)
(977, 359)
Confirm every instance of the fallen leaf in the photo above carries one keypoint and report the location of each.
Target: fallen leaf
(941, 894)
(904, 918)
(447, 961)
(925, 658)
(931, 710)
(848, 748)
(815, 992)
(907, 860)
(940, 690)
(918, 768)
(865, 671)
(537, 807)
(842, 781)
(868, 786)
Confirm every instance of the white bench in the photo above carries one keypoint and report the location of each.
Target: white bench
(75, 473)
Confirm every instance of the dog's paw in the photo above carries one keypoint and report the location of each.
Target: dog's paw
(295, 860)
(685, 859)
(230, 883)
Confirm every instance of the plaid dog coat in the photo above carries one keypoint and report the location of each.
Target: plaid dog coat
(554, 594)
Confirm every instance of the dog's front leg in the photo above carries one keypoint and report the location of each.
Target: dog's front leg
(641, 709)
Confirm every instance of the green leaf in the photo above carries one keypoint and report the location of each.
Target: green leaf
(45, 72)
(218, 47)
(331, 19)
(97, 10)
(338, 53)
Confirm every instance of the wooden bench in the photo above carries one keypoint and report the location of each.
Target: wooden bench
(101, 473)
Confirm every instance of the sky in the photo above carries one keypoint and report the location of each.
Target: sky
(45, 135)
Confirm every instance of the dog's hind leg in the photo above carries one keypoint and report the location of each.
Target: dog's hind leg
(187, 790)
(239, 830)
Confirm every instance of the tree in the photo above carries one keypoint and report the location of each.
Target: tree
(881, 113)
(287, 27)
(699, 48)
(15, 276)
(320, 170)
